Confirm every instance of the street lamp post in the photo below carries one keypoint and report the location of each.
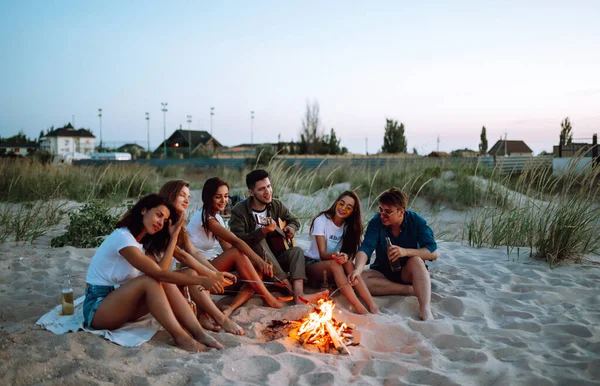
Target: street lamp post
(212, 112)
(252, 127)
(164, 110)
(100, 119)
(189, 121)
(148, 130)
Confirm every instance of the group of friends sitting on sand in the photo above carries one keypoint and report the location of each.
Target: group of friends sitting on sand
(134, 271)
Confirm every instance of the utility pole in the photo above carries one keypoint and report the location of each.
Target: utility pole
(438, 143)
(367, 145)
(148, 131)
(252, 127)
(505, 135)
(100, 118)
(212, 112)
(189, 121)
(164, 110)
(74, 121)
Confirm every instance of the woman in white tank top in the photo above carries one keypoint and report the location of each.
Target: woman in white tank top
(208, 229)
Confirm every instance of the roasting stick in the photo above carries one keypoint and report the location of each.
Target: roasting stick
(337, 289)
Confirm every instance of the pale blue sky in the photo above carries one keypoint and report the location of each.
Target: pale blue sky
(442, 68)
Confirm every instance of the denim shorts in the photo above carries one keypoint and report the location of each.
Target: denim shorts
(308, 261)
(94, 294)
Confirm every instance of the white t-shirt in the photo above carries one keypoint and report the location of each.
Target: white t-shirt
(205, 243)
(334, 234)
(108, 266)
(258, 216)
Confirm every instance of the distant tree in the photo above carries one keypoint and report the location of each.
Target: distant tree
(41, 135)
(483, 145)
(333, 144)
(394, 140)
(566, 134)
(310, 134)
(263, 155)
(414, 151)
(544, 152)
(312, 140)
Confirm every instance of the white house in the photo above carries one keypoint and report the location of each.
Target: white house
(68, 140)
(20, 148)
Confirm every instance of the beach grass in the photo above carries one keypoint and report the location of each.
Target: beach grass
(28, 221)
(554, 217)
(29, 180)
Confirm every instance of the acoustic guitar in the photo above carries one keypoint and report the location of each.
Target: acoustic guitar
(277, 240)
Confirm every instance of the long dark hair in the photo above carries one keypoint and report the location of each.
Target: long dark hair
(208, 192)
(133, 220)
(170, 190)
(354, 227)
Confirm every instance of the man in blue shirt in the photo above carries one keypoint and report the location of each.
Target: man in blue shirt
(398, 268)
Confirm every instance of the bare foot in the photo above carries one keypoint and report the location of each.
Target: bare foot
(374, 309)
(313, 298)
(189, 344)
(361, 310)
(274, 303)
(425, 313)
(208, 340)
(231, 327)
(208, 324)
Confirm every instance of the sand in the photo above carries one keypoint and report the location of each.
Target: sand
(498, 321)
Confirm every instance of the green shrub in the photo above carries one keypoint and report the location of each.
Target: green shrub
(87, 226)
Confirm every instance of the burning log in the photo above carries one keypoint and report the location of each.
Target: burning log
(335, 338)
(317, 331)
(320, 329)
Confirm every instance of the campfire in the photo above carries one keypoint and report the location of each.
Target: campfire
(319, 329)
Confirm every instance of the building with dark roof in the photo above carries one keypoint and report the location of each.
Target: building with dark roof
(67, 139)
(17, 146)
(132, 148)
(510, 149)
(179, 143)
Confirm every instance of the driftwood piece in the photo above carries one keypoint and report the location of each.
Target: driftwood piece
(335, 338)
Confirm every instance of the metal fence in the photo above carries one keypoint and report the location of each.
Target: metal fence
(504, 165)
(507, 165)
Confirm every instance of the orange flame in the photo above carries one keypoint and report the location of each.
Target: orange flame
(316, 323)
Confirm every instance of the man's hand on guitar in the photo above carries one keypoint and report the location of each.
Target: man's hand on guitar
(289, 232)
(269, 228)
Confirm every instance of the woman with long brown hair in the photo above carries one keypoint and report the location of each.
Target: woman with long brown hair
(336, 234)
(205, 231)
(125, 282)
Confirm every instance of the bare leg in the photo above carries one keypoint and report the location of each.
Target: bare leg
(361, 288)
(242, 297)
(186, 317)
(337, 271)
(416, 273)
(380, 285)
(206, 304)
(233, 259)
(123, 304)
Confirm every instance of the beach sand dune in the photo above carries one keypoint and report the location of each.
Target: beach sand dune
(498, 321)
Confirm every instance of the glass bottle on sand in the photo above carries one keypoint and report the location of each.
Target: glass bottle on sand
(67, 299)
